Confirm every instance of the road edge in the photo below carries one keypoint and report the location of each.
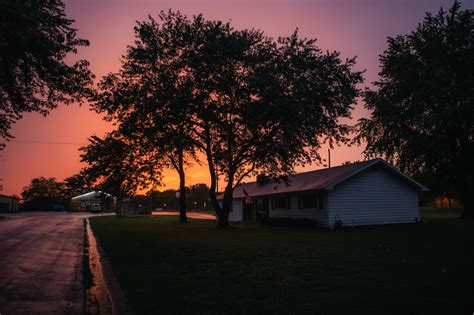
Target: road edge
(105, 291)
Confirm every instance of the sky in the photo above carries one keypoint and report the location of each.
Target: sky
(352, 27)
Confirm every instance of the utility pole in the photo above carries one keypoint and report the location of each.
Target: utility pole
(329, 158)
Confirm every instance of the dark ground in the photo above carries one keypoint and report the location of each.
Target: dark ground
(41, 263)
(166, 267)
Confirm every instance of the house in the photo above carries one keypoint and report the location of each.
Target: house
(362, 193)
(8, 204)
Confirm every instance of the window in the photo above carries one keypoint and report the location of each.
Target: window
(281, 202)
(311, 200)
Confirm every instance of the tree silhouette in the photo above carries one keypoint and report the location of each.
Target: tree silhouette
(118, 166)
(246, 103)
(35, 38)
(150, 97)
(42, 194)
(422, 107)
(265, 106)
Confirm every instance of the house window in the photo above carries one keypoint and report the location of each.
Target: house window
(280, 202)
(311, 200)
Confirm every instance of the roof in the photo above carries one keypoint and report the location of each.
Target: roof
(89, 196)
(320, 179)
(12, 197)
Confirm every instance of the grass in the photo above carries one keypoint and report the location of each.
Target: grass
(428, 213)
(167, 267)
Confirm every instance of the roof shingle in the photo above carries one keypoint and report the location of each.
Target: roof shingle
(318, 179)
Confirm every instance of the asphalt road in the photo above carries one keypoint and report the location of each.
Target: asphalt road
(41, 263)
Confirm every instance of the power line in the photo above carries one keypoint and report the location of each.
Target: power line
(47, 142)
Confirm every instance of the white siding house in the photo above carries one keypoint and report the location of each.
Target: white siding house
(363, 193)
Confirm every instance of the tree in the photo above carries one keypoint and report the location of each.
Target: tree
(164, 199)
(247, 103)
(152, 91)
(42, 194)
(265, 106)
(422, 107)
(35, 38)
(198, 196)
(118, 166)
(78, 184)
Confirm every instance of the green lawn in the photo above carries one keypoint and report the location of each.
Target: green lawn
(441, 213)
(166, 267)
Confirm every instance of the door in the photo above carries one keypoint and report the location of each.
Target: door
(262, 209)
(248, 211)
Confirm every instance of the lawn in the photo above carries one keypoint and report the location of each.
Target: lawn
(440, 213)
(167, 267)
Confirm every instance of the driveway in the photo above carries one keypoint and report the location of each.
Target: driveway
(41, 263)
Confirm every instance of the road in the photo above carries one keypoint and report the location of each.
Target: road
(41, 263)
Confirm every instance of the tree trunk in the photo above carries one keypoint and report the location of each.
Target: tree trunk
(223, 220)
(223, 216)
(182, 190)
(222, 213)
(119, 207)
(212, 189)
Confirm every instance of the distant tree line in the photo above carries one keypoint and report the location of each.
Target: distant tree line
(197, 199)
(42, 194)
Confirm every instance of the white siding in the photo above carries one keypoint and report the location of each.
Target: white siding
(8, 204)
(236, 214)
(316, 214)
(373, 196)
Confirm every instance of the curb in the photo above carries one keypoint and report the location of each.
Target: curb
(105, 296)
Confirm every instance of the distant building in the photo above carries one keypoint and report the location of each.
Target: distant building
(8, 204)
(362, 193)
(83, 203)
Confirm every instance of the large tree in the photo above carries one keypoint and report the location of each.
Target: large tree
(264, 106)
(248, 104)
(35, 38)
(149, 96)
(423, 105)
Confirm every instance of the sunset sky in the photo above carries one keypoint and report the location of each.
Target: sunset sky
(353, 27)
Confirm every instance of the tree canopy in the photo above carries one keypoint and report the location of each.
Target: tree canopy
(423, 105)
(35, 38)
(118, 166)
(42, 194)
